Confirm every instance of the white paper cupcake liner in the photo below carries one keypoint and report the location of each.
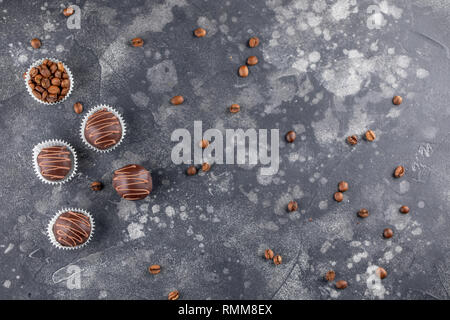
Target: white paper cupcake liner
(39, 62)
(52, 143)
(51, 236)
(91, 112)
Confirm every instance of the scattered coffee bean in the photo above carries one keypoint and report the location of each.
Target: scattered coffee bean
(174, 295)
(399, 172)
(177, 100)
(243, 71)
(341, 284)
(45, 81)
(330, 275)
(154, 269)
(200, 32)
(206, 167)
(363, 213)
(77, 107)
(404, 209)
(234, 108)
(253, 42)
(352, 140)
(204, 143)
(268, 253)
(96, 186)
(192, 170)
(137, 42)
(252, 60)
(397, 100)
(290, 136)
(370, 135)
(277, 259)
(338, 196)
(388, 233)
(343, 186)
(292, 206)
(68, 11)
(36, 43)
(381, 273)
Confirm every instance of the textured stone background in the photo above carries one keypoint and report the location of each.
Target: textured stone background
(328, 68)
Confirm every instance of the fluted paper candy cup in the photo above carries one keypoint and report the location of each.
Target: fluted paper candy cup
(71, 229)
(39, 62)
(51, 163)
(105, 131)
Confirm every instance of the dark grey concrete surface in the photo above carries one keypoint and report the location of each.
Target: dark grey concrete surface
(328, 69)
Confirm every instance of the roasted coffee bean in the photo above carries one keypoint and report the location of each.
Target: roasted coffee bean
(404, 209)
(39, 88)
(381, 273)
(65, 83)
(51, 98)
(268, 254)
(35, 43)
(65, 75)
(290, 136)
(38, 79)
(341, 284)
(330, 275)
(343, 186)
(200, 32)
(31, 84)
(292, 206)
(370, 135)
(234, 108)
(338, 196)
(204, 143)
(64, 91)
(363, 213)
(155, 269)
(58, 74)
(68, 11)
(45, 72)
(54, 90)
(277, 259)
(96, 186)
(388, 233)
(44, 95)
(177, 100)
(61, 67)
(37, 94)
(243, 71)
(397, 100)
(53, 68)
(252, 60)
(253, 42)
(56, 82)
(33, 72)
(174, 295)
(206, 167)
(137, 42)
(192, 170)
(45, 83)
(399, 172)
(78, 107)
(352, 140)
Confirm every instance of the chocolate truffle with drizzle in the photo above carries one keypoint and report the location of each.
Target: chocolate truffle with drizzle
(72, 229)
(54, 162)
(132, 182)
(103, 129)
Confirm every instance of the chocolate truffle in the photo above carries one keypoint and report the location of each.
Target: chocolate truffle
(54, 162)
(103, 129)
(72, 229)
(132, 182)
